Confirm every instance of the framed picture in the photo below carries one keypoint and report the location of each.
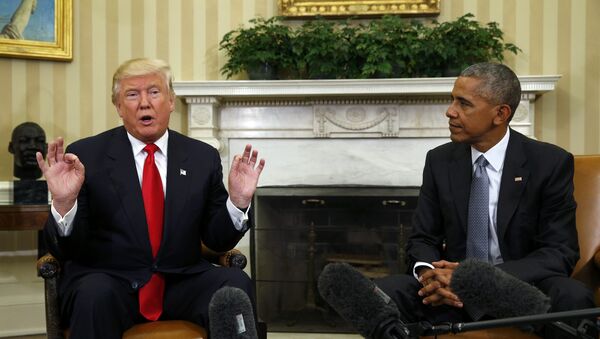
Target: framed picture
(37, 29)
(303, 8)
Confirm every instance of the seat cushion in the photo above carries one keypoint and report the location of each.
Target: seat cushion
(166, 330)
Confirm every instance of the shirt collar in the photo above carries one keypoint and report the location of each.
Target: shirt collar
(138, 146)
(495, 155)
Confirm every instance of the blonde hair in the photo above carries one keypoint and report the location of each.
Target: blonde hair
(140, 67)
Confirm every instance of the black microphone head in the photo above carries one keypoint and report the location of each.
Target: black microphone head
(499, 294)
(230, 315)
(357, 299)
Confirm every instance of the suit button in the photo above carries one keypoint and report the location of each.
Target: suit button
(135, 285)
(154, 268)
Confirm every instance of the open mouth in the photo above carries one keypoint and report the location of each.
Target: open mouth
(146, 119)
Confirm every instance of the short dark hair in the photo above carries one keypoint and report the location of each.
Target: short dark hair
(499, 84)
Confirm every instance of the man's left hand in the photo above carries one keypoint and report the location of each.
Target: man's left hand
(243, 177)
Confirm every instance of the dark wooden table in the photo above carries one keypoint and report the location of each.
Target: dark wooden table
(23, 217)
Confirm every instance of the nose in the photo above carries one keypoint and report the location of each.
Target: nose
(451, 111)
(144, 103)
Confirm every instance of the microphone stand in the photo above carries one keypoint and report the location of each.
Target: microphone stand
(428, 329)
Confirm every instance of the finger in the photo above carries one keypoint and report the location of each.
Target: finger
(71, 159)
(432, 299)
(253, 158)
(51, 155)
(41, 163)
(60, 150)
(235, 163)
(246, 154)
(261, 165)
(428, 274)
(447, 294)
(429, 288)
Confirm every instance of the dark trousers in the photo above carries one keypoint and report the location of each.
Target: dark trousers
(101, 306)
(565, 294)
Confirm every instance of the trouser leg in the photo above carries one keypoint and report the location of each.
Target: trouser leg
(98, 305)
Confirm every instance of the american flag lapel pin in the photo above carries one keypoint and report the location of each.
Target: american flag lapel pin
(518, 179)
(182, 171)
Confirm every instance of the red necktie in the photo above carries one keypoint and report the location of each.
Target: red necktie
(151, 294)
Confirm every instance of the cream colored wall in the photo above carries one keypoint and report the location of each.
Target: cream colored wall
(72, 99)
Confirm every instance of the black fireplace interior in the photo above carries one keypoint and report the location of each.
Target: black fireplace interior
(299, 230)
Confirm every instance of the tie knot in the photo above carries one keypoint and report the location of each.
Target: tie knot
(481, 161)
(151, 148)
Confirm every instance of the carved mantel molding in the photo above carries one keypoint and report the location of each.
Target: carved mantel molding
(386, 108)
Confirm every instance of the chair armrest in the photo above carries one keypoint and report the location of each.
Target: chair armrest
(231, 258)
(48, 267)
(597, 258)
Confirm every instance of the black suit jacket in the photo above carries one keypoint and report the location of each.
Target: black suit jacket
(110, 233)
(535, 216)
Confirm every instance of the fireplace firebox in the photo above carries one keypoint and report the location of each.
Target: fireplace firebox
(298, 230)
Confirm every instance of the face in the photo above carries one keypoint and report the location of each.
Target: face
(27, 141)
(145, 105)
(472, 119)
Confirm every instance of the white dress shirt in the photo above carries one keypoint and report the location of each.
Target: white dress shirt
(65, 223)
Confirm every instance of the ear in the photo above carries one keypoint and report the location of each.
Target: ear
(171, 102)
(118, 108)
(11, 149)
(502, 115)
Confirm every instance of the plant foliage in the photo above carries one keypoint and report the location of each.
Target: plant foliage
(386, 47)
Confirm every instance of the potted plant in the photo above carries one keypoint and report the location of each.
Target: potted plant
(467, 42)
(385, 47)
(323, 49)
(258, 50)
(391, 47)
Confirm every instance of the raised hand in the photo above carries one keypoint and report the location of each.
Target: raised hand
(64, 175)
(243, 177)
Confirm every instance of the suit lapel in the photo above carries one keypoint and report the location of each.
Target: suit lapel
(178, 182)
(459, 175)
(513, 182)
(123, 175)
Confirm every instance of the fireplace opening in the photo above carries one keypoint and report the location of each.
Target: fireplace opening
(300, 229)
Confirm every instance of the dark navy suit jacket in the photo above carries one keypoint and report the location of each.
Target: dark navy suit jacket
(110, 233)
(536, 209)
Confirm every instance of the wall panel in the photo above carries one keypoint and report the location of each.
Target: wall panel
(73, 99)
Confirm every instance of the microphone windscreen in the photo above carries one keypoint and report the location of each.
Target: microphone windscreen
(482, 285)
(356, 298)
(230, 315)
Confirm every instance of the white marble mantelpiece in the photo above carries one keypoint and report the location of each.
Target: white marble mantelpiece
(310, 131)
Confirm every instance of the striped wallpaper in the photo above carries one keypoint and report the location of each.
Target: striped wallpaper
(73, 99)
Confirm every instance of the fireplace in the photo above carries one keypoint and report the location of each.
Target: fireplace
(335, 150)
(300, 229)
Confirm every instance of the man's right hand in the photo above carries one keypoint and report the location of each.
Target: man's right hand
(64, 175)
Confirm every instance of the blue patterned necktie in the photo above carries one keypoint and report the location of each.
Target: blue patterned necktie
(478, 220)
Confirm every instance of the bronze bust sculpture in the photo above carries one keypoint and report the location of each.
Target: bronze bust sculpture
(27, 139)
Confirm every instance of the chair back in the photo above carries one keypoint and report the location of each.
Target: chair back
(587, 196)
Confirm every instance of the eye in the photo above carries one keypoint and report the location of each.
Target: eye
(131, 95)
(464, 103)
(154, 92)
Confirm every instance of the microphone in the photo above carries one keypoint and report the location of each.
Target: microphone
(230, 315)
(360, 302)
(491, 290)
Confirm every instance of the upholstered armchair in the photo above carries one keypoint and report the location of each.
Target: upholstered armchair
(49, 268)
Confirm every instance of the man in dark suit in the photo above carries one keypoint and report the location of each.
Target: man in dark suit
(118, 271)
(531, 219)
